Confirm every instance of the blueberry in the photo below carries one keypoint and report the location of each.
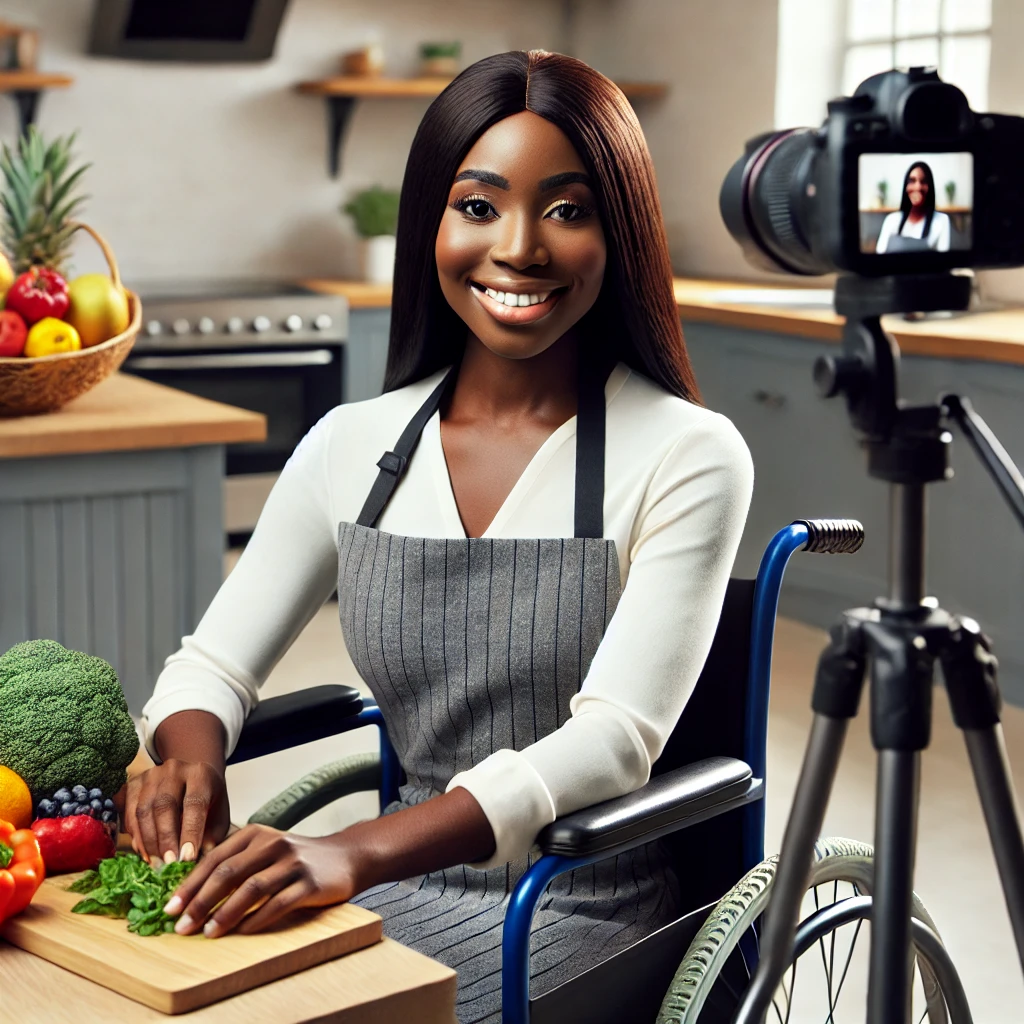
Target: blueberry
(80, 793)
(109, 805)
(62, 796)
(67, 809)
(95, 794)
(108, 816)
(96, 805)
(47, 809)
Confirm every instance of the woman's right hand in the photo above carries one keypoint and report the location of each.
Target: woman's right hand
(176, 810)
(179, 809)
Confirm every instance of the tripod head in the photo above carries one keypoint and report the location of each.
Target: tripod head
(905, 444)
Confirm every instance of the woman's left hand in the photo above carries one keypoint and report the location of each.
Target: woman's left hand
(261, 867)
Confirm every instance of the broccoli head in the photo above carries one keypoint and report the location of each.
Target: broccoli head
(63, 719)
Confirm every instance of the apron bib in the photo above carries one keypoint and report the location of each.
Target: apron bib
(474, 645)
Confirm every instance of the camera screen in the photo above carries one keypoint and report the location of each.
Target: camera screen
(915, 202)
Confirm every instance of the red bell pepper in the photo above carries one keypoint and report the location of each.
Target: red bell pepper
(21, 869)
(38, 293)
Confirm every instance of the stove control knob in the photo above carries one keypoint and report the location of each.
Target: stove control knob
(261, 324)
(154, 327)
(293, 323)
(180, 326)
(205, 325)
(323, 322)
(235, 325)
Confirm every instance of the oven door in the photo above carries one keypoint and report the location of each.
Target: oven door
(292, 387)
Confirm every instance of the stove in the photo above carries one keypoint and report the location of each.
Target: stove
(268, 346)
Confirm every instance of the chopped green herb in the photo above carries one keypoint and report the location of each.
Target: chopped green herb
(125, 886)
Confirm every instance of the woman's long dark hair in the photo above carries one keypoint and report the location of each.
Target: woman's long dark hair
(635, 318)
(929, 198)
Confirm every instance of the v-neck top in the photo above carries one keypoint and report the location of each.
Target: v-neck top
(678, 482)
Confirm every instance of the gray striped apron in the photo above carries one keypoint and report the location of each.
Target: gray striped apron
(472, 646)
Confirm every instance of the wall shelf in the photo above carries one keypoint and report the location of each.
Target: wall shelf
(25, 88)
(342, 93)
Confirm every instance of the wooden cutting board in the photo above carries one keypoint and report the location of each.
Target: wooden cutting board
(176, 973)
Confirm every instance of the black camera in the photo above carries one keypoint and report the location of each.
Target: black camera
(902, 178)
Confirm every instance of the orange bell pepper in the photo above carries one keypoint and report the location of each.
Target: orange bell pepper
(21, 868)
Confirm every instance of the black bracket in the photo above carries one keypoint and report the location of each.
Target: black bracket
(27, 102)
(339, 113)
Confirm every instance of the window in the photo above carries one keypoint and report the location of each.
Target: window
(954, 35)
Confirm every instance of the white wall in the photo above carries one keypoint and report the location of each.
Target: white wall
(220, 170)
(718, 58)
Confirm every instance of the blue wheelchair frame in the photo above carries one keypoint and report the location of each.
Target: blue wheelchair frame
(534, 883)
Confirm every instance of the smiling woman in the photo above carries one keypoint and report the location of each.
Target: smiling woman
(531, 582)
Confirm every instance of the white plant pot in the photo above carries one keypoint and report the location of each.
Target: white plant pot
(379, 259)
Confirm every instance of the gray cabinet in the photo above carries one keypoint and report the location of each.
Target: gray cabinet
(366, 353)
(808, 464)
(116, 553)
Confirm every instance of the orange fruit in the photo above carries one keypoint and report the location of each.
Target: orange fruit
(15, 799)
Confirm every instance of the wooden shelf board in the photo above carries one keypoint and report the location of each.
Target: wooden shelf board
(28, 81)
(411, 87)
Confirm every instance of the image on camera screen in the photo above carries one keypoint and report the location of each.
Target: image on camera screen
(915, 202)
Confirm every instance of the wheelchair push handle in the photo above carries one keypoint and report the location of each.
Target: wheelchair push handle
(832, 536)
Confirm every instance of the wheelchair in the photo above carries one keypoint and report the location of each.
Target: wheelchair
(705, 800)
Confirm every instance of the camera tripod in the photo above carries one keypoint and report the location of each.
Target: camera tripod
(899, 639)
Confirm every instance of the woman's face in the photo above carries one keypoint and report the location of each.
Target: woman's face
(520, 251)
(917, 186)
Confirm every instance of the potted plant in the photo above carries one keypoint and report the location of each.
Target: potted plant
(883, 193)
(440, 59)
(950, 192)
(375, 214)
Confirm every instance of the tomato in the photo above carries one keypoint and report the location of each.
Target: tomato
(13, 333)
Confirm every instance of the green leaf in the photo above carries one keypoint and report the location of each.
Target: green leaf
(89, 881)
(6, 855)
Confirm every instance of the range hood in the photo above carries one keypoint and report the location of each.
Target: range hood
(187, 30)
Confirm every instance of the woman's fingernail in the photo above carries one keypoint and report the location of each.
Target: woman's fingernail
(188, 852)
(174, 906)
(183, 925)
(170, 857)
(211, 929)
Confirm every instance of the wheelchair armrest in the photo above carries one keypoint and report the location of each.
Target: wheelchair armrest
(296, 718)
(666, 804)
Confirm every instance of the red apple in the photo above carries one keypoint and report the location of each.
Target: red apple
(13, 333)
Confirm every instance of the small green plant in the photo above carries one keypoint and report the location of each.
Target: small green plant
(375, 211)
(950, 191)
(883, 192)
(429, 51)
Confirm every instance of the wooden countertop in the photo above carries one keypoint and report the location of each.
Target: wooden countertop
(126, 412)
(996, 336)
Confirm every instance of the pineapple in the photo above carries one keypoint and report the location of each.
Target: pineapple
(39, 200)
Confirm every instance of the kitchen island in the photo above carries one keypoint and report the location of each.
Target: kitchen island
(111, 522)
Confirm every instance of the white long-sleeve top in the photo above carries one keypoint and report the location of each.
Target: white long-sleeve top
(678, 481)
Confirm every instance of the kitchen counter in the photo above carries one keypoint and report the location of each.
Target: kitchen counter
(112, 522)
(996, 336)
(128, 413)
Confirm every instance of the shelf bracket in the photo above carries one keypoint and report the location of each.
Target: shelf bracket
(27, 102)
(339, 113)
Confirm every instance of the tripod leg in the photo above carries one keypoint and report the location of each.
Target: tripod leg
(837, 689)
(898, 787)
(969, 669)
(998, 801)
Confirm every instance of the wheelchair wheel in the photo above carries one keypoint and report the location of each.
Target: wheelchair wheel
(713, 975)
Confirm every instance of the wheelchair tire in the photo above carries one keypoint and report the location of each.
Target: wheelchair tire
(835, 861)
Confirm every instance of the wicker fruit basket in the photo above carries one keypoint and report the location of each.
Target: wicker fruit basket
(29, 387)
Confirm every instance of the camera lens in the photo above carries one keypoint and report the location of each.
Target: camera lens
(762, 198)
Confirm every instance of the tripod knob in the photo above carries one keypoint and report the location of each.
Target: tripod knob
(835, 375)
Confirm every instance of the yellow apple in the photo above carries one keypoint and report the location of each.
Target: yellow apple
(6, 277)
(98, 309)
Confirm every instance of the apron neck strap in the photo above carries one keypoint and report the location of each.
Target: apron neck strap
(590, 444)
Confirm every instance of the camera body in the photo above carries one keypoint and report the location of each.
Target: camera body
(902, 178)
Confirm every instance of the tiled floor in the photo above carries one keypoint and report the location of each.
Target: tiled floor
(955, 878)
